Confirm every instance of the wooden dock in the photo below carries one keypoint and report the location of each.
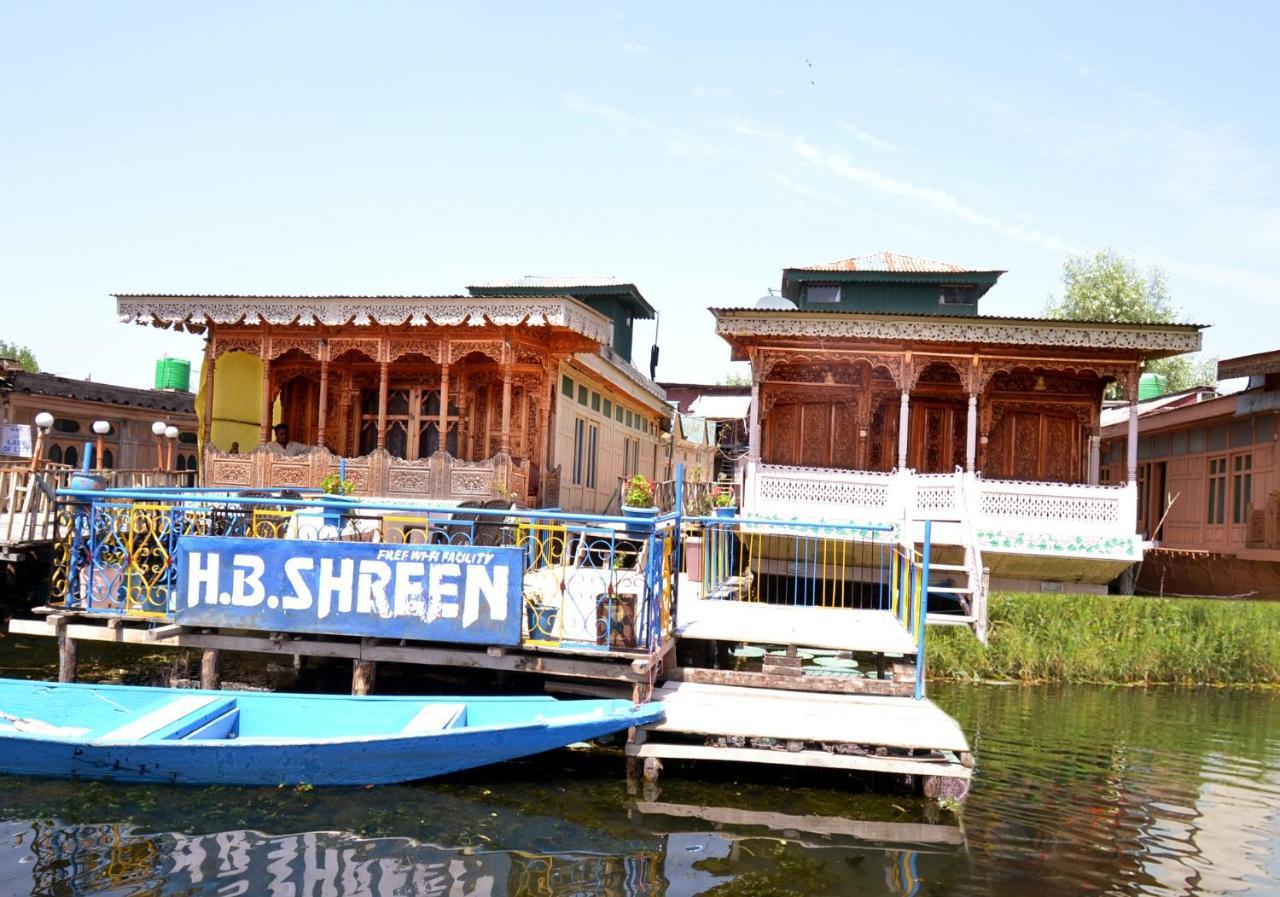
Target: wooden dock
(869, 733)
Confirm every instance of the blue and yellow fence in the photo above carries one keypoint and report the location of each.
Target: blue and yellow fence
(589, 582)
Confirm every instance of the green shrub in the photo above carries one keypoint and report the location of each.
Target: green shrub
(1103, 638)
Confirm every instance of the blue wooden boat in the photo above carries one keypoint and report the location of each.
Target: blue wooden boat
(184, 736)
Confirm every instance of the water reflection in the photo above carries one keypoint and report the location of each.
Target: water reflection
(1077, 790)
(49, 857)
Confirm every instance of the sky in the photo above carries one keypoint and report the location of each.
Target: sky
(693, 149)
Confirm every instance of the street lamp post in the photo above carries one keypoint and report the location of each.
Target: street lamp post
(44, 420)
(158, 429)
(100, 428)
(171, 434)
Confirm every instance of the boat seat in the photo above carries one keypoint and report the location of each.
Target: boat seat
(435, 718)
(173, 719)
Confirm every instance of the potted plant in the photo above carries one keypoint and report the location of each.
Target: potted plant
(724, 503)
(335, 487)
(637, 497)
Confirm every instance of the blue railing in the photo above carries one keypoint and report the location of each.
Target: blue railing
(589, 581)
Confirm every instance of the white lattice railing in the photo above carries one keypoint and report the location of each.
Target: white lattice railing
(937, 495)
(1061, 504)
(1103, 514)
(823, 493)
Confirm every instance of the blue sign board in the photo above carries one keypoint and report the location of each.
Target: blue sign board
(439, 593)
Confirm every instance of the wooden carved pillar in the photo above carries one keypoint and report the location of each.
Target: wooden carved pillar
(1132, 445)
(524, 422)
(264, 410)
(553, 378)
(322, 414)
(904, 415)
(863, 423)
(753, 434)
(382, 404)
(443, 425)
(971, 435)
(505, 440)
(206, 425)
(486, 447)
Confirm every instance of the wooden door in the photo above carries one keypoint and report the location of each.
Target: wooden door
(936, 437)
(811, 434)
(1040, 447)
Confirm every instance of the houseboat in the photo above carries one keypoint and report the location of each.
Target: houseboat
(1208, 485)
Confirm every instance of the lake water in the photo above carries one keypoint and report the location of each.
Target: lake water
(1078, 790)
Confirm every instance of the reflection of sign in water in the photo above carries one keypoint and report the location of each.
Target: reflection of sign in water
(432, 592)
(15, 439)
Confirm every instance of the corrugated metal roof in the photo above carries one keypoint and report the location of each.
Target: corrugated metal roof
(721, 407)
(949, 319)
(42, 384)
(896, 263)
(556, 282)
(390, 297)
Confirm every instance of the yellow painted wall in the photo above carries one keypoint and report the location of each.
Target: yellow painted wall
(237, 401)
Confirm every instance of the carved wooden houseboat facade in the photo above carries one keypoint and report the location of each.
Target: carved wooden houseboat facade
(880, 394)
(443, 397)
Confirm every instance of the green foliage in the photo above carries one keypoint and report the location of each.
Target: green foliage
(724, 498)
(1108, 286)
(1112, 639)
(332, 484)
(733, 378)
(639, 492)
(21, 354)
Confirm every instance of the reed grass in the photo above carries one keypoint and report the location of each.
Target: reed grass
(1113, 639)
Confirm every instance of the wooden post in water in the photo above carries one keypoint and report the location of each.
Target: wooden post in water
(67, 652)
(363, 673)
(211, 669)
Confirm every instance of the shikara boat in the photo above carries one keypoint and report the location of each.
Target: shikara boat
(184, 736)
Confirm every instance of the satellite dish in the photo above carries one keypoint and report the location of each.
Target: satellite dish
(773, 300)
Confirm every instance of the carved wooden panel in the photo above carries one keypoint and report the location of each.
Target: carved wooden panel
(844, 438)
(1060, 443)
(782, 431)
(1024, 448)
(815, 435)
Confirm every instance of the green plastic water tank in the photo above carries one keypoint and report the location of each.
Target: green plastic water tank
(1151, 385)
(173, 373)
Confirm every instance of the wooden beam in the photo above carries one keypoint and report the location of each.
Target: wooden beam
(744, 679)
(815, 759)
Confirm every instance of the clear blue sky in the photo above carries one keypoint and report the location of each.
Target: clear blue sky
(403, 148)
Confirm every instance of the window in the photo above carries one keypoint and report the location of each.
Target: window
(1265, 428)
(579, 427)
(608, 409)
(635, 455)
(566, 386)
(413, 423)
(1217, 438)
(957, 295)
(1160, 446)
(70, 456)
(187, 438)
(108, 459)
(1242, 433)
(63, 425)
(55, 454)
(1195, 441)
(1241, 487)
(1178, 443)
(595, 401)
(1217, 491)
(618, 413)
(630, 419)
(582, 395)
(822, 295)
(593, 439)
(630, 456)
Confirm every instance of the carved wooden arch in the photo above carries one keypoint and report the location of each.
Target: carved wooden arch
(772, 394)
(424, 346)
(492, 349)
(889, 361)
(307, 345)
(250, 344)
(1121, 373)
(921, 363)
(369, 348)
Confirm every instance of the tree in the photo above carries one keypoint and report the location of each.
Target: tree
(1108, 286)
(21, 354)
(733, 378)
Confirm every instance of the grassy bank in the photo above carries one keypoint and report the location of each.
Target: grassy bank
(1100, 638)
